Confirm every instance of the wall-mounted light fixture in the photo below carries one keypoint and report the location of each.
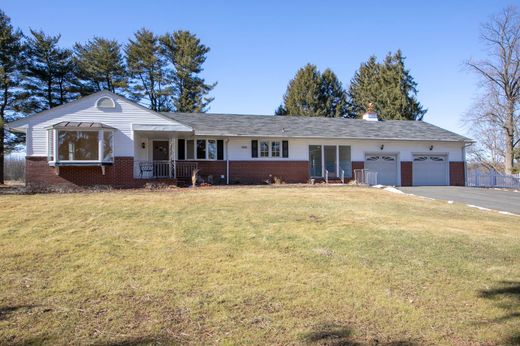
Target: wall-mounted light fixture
(431, 147)
(382, 146)
(143, 145)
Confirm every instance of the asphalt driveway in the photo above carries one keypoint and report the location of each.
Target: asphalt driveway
(488, 198)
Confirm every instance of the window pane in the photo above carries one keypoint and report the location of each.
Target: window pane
(190, 149)
(330, 159)
(264, 149)
(345, 162)
(78, 145)
(315, 160)
(275, 149)
(212, 149)
(201, 148)
(108, 146)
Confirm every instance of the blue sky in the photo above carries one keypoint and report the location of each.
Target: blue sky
(256, 47)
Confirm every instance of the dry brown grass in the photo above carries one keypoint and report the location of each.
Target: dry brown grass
(341, 265)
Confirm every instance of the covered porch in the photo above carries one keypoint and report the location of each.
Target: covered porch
(155, 153)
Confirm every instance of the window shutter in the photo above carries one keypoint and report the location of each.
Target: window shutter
(181, 151)
(285, 148)
(220, 149)
(254, 148)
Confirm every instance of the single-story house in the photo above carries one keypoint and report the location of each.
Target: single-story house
(106, 139)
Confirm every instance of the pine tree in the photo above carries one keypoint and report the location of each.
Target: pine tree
(149, 74)
(187, 55)
(333, 94)
(48, 73)
(364, 87)
(100, 66)
(388, 86)
(10, 52)
(313, 94)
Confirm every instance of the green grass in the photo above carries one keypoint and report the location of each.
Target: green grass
(338, 265)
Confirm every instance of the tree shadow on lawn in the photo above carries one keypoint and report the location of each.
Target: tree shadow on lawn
(507, 293)
(335, 335)
(140, 341)
(5, 311)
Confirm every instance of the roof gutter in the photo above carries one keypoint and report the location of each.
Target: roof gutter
(467, 140)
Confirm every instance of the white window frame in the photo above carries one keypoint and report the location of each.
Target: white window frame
(55, 143)
(260, 151)
(338, 169)
(270, 149)
(279, 149)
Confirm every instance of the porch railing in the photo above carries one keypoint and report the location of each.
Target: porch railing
(153, 169)
(185, 169)
(163, 169)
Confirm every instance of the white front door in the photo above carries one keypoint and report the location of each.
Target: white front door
(430, 170)
(386, 167)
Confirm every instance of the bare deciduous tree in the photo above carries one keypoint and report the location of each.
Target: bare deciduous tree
(500, 73)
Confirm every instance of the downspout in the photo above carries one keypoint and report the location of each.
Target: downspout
(227, 162)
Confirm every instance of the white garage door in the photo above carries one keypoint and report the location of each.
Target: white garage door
(430, 170)
(385, 166)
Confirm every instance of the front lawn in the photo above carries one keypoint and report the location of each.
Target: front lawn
(334, 265)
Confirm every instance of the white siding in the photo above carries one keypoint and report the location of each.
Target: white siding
(84, 110)
(240, 148)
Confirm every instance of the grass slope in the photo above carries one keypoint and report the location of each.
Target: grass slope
(335, 266)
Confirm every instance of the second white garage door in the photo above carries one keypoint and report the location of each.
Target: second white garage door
(430, 170)
(385, 166)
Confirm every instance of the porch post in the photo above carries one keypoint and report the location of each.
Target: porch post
(174, 157)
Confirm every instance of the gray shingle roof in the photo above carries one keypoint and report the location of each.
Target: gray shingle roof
(205, 124)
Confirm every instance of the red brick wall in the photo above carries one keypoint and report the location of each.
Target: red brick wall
(254, 172)
(406, 173)
(214, 168)
(457, 177)
(357, 165)
(120, 174)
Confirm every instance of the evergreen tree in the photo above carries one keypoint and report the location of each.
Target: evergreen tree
(10, 51)
(100, 66)
(148, 71)
(364, 87)
(187, 55)
(333, 94)
(280, 110)
(48, 73)
(388, 86)
(313, 94)
(303, 95)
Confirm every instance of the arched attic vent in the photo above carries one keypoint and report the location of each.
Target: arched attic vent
(105, 102)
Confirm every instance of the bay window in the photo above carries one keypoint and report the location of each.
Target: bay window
(82, 145)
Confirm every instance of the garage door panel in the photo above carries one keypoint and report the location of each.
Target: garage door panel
(430, 170)
(385, 166)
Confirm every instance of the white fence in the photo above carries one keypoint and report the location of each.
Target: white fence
(492, 179)
(365, 177)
